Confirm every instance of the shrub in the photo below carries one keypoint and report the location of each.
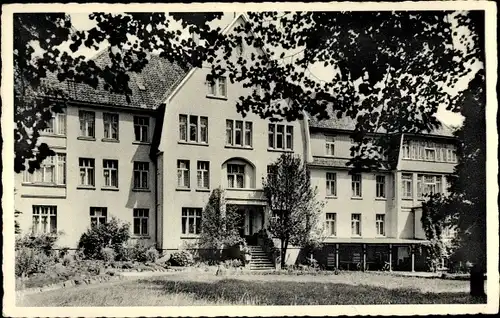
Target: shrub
(67, 260)
(139, 251)
(108, 254)
(152, 255)
(233, 263)
(181, 258)
(112, 234)
(124, 253)
(44, 242)
(31, 260)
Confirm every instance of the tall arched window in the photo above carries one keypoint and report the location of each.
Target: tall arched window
(238, 173)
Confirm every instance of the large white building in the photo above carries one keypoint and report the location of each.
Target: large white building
(153, 162)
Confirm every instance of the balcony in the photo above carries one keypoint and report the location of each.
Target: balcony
(245, 196)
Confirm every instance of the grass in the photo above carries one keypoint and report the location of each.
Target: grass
(206, 289)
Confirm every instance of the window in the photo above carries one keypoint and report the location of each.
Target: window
(236, 176)
(57, 125)
(331, 184)
(356, 185)
(191, 221)
(141, 173)
(141, 128)
(356, 224)
(203, 175)
(407, 185)
(141, 220)
(330, 145)
(44, 219)
(110, 171)
(379, 223)
(217, 87)
(452, 155)
(380, 184)
(280, 137)
(331, 224)
(98, 216)
(196, 131)
(183, 173)
(428, 184)
(87, 172)
(430, 154)
(110, 126)
(239, 49)
(406, 151)
(87, 123)
(52, 171)
(238, 133)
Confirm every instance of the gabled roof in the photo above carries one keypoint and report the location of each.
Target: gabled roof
(149, 87)
(348, 124)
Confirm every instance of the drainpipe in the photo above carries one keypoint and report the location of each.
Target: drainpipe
(307, 136)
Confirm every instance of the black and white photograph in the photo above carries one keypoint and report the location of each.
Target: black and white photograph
(244, 159)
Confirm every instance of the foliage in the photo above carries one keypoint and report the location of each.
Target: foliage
(31, 260)
(142, 251)
(44, 242)
(219, 223)
(295, 211)
(113, 234)
(232, 263)
(17, 227)
(181, 258)
(435, 219)
(152, 255)
(108, 254)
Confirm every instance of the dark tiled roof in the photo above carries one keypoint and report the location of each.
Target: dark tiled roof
(149, 88)
(347, 123)
(335, 163)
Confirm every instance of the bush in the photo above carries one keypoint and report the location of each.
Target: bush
(31, 260)
(112, 234)
(124, 253)
(181, 258)
(152, 255)
(67, 260)
(233, 263)
(108, 254)
(44, 242)
(140, 252)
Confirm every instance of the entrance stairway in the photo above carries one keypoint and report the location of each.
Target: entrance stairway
(259, 260)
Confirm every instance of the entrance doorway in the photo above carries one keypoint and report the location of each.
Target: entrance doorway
(251, 222)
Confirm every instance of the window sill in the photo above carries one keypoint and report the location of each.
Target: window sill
(110, 140)
(181, 142)
(243, 189)
(239, 147)
(140, 237)
(86, 138)
(356, 198)
(380, 199)
(191, 237)
(183, 189)
(202, 190)
(109, 189)
(331, 197)
(141, 190)
(43, 185)
(83, 187)
(146, 143)
(356, 236)
(407, 199)
(279, 150)
(216, 97)
(52, 135)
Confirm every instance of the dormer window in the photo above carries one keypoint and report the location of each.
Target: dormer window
(330, 145)
(217, 87)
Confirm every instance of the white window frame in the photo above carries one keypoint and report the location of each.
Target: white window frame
(183, 174)
(356, 220)
(427, 151)
(110, 173)
(183, 127)
(423, 184)
(87, 172)
(286, 136)
(203, 174)
(331, 224)
(99, 214)
(406, 151)
(141, 128)
(330, 146)
(141, 216)
(380, 224)
(196, 124)
(44, 219)
(380, 187)
(111, 124)
(407, 179)
(87, 123)
(52, 171)
(235, 171)
(331, 184)
(357, 185)
(245, 131)
(187, 215)
(217, 87)
(141, 175)
(56, 125)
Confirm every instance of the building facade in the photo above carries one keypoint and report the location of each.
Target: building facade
(154, 162)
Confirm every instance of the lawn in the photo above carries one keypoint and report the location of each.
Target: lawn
(207, 289)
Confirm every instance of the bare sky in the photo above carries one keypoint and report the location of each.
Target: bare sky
(81, 21)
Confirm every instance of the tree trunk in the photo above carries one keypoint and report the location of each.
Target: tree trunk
(284, 245)
(477, 281)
